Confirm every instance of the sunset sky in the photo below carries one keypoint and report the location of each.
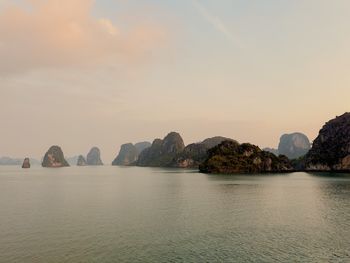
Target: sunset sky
(82, 73)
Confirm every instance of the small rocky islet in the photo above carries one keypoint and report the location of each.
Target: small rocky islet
(26, 163)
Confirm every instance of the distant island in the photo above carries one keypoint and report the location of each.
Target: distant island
(94, 157)
(17, 161)
(54, 158)
(294, 145)
(329, 152)
(129, 153)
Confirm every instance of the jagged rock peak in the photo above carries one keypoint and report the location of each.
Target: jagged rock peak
(173, 143)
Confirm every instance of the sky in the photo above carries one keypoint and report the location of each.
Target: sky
(84, 73)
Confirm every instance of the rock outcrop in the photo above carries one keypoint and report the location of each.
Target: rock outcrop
(94, 157)
(294, 145)
(81, 161)
(162, 152)
(26, 163)
(331, 149)
(128, 154)
(230, 157)
(54, 158)
(196, 153)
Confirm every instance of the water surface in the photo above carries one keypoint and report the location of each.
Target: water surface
(113, 214)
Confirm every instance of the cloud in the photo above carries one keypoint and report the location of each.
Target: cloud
(217, 23)
(60, 33)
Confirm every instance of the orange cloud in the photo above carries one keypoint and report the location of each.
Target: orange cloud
(58, 33)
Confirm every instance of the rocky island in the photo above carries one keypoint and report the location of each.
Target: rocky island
(230, 157)
(93, 158)
(26, 163)
(81, 161)
(293, 145)
(54, 158)
(331, 149)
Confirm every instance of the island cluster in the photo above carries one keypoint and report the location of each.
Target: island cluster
(330, 152)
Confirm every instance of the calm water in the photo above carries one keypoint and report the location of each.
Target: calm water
(112, 214)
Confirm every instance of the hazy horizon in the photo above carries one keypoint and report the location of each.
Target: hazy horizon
(83, 73)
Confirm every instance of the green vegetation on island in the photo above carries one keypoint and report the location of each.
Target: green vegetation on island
(231, 157)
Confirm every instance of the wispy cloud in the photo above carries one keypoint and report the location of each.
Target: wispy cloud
(217, 23)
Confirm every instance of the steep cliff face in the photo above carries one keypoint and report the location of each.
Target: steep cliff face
(81, 161)
(94, 157)
(230, 157)
(128, 154)
(162, 152)
(196, 153)
(54, 157)
(294, 145)
(331, 149)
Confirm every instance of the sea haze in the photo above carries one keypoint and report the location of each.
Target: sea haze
(114, 214)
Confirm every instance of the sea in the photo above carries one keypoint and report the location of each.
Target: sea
(132, 214)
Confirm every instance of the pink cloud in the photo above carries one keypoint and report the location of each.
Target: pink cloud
(59, 33)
